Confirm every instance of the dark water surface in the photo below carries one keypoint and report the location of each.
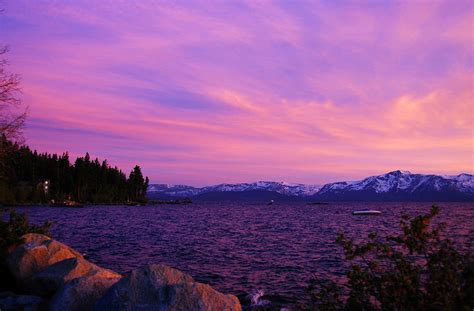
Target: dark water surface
(235, 247)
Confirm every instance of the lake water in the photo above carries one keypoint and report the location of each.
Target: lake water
(236, 247)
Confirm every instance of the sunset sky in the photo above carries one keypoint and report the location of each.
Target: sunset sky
(204, 92)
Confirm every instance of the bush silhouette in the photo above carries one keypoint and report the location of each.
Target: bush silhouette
(418, 269)
(12, 229)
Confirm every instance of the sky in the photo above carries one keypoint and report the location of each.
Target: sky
(206, 92)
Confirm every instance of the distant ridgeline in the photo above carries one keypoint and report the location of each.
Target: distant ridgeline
(27, 176)
(393, 186)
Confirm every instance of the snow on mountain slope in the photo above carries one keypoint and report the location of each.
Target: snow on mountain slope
(279, 187)
(402, 180)
(157, 190)
(402, 185)
(465, 182)
(396, 185)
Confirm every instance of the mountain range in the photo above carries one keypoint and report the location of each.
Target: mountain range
(261, 189)
(393, 186)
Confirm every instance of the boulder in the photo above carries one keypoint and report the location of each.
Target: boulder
(50, 279)
(10, 302)
(47, 267)
(82, 293)
(35, 254)
(158, 287)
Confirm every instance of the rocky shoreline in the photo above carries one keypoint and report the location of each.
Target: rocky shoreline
(52, 276)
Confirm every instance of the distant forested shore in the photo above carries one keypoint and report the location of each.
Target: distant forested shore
(30, 177)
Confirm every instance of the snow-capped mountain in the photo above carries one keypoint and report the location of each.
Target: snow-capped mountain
(288, 189)
(393, 186)
(401, 186)
(164, 190)
(279, 187)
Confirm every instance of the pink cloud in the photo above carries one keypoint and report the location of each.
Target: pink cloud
(226, 92)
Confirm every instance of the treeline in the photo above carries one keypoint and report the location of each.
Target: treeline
(27, 176)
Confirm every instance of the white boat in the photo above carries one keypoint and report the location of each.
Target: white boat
(271, 202)
(367, 212)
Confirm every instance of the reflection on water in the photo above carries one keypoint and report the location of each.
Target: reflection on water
(236, 247)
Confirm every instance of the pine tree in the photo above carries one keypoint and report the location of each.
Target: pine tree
(85, 181)
(137, 185)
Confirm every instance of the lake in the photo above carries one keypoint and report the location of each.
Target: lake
(236, 247)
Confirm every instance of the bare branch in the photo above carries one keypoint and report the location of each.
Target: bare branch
(11, 121)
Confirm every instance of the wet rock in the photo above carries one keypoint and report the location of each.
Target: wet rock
(82, 293)
(158, 287)
(12, 302)
(35, 254)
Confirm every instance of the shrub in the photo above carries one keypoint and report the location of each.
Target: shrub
(11, 231)
(417, 269)
(18, 225)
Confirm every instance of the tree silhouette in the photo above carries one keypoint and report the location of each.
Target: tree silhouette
(87, 181)
(12, 117)
(137, 185)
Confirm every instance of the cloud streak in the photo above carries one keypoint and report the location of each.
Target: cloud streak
(207, 92)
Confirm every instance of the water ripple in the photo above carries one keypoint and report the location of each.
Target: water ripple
(237, 248)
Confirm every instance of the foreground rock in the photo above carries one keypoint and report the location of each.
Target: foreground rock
(67, 281)
(158, 287)
(52, 278)
(35, 254)
(82, 293)
(46, 267)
